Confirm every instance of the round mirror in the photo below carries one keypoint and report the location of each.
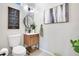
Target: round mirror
(28, 21)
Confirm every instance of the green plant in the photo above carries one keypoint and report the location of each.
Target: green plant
(75, 45)
(33, 26)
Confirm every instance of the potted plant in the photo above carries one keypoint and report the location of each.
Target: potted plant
(33, 26)
(75, 45)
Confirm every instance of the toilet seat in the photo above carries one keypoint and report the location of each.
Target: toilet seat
(19, 51)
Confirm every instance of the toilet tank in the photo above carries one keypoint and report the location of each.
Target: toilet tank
(14, 40)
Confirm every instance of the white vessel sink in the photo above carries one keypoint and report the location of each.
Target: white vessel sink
(30, 33)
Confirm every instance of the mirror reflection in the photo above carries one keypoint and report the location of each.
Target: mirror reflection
(29, 20)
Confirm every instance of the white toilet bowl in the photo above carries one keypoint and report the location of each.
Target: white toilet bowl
(15, 44)
(19, 51)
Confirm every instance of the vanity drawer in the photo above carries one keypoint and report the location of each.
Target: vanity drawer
(27, 40)
(31, 40)
(30, 36)
(36, 39)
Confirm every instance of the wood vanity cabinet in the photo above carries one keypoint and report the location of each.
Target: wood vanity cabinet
(31, 40)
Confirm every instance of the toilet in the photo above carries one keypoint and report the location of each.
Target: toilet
(17, 48)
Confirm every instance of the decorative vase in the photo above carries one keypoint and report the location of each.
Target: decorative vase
(33, 31)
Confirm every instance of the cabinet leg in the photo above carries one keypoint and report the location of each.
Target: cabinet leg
(27, 53)
(38, 45)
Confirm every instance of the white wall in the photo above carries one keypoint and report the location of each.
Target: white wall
(57, 36)
(4, 31)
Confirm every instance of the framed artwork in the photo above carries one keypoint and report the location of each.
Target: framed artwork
(58, 14)
(13, 18)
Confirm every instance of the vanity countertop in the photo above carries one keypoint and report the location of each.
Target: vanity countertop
(30, 33)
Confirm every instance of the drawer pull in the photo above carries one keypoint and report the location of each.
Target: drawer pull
(30, 36)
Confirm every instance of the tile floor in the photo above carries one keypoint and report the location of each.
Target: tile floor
(36, 53)
(39, 53)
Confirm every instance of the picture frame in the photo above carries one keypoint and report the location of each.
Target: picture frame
(58, 14)
(13, 18)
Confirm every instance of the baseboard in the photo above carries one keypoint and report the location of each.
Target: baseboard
(47, 52)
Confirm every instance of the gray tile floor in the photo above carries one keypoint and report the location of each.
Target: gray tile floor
(39, 53)
(36, 53)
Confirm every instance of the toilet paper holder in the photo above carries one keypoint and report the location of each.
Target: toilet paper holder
(4, 52)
